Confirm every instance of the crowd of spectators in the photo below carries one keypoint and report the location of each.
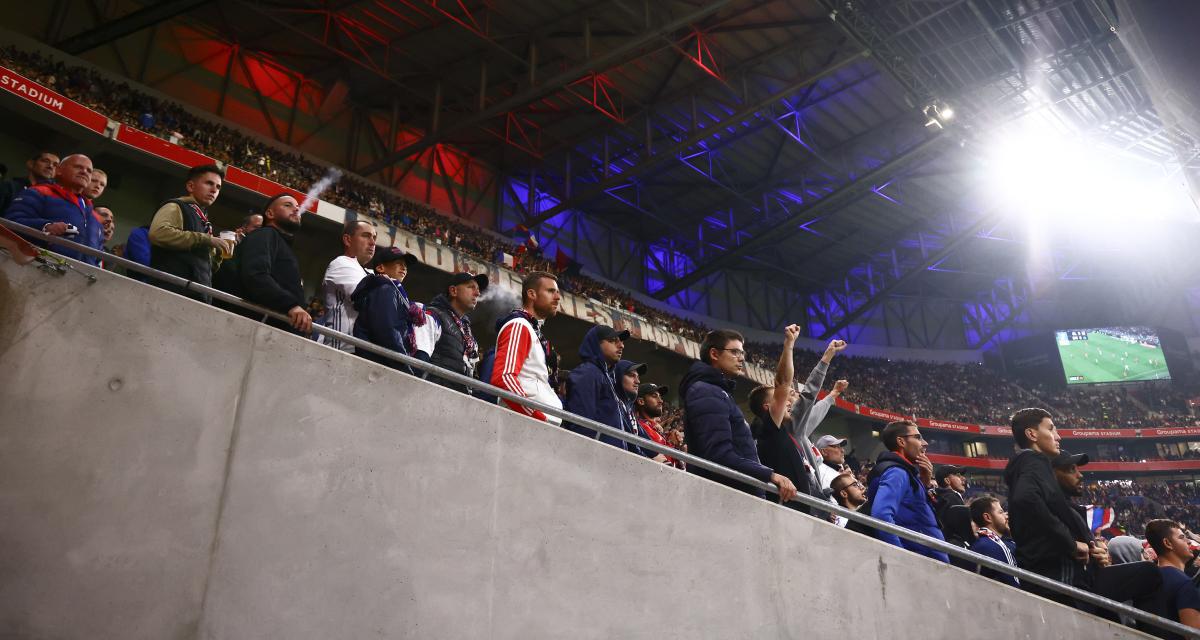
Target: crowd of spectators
(895, 488)
(960, 392)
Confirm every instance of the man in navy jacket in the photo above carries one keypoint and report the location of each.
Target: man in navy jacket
(386, 315)
(993, 540)
(593, 390)
(898, 487)
(714, 426)
(59, 207)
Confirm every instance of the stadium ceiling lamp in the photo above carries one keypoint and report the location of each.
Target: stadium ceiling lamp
(1042, 170)
(938, 114)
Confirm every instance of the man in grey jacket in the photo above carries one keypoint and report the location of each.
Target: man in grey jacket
(808, 412)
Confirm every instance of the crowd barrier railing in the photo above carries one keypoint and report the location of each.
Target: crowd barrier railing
(1024, 576)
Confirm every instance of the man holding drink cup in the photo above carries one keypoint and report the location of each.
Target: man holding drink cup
(181, 237)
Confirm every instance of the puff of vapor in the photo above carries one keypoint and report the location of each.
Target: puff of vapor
(319, 187)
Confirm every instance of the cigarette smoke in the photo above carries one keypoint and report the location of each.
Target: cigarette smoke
(495, 303)
(315, 191)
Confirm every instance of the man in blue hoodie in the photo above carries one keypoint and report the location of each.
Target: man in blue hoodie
(714, 426)
(898, 487)
(593, 389)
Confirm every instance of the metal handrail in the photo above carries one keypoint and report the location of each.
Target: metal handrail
(691, 459)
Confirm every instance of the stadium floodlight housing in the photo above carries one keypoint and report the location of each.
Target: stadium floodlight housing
(937, 114)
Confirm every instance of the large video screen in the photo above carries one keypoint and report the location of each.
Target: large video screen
(1111, 354)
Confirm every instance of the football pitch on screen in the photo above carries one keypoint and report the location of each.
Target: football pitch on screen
(1103, 358)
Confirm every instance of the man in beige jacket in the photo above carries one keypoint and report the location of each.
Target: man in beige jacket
(181, 238)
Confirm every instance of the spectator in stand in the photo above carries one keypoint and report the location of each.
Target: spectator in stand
(41, 169)
(629, 378)
(181, 238)
(771, 406)
(899, 484)
(807, 413)
(851, 494)
(833, 464)
(959, 531)
(264, 269)
(1177, 598)
(523, 361)
(96, 185)
(1067, 474)
(59, 208)
(446, 338)
(993, 541)
(951, 484)
(1126, 550)
(1070, 482)
(714, 426)
(108, 224)
(250, 223)
(342, 277)
(593, 387)
(648, 408)
(1051, 538)
(137, 249)
(387, 317)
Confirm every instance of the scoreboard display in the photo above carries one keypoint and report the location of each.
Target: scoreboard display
(1111, 354)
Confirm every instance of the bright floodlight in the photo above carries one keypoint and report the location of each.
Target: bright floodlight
(947, 113)
(1051, 175)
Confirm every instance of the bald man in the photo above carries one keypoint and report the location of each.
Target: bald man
(60, 209)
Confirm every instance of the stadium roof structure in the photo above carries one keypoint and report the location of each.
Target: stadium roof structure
(804, 145)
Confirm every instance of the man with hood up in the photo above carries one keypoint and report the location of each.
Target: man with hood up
(594, 388)
(386, 315)
(1052, 540)
(898, 487)
(446, 338)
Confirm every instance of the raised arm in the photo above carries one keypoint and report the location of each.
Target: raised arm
(785, 372)
(821, 408)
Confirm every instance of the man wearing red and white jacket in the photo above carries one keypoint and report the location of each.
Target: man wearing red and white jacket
(522, 363)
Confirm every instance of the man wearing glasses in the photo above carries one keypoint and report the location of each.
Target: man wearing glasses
(714, 426)
(850, 494)
(899, 485)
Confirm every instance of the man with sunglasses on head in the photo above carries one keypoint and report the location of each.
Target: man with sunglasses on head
(899, 487)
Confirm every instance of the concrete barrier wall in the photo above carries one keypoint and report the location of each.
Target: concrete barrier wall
(168, 470)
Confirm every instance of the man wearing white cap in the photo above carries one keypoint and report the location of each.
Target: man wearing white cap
(833, 464)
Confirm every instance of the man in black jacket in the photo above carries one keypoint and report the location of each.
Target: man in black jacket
(951, 484)
(264, 269)
(771, 406)
(1051, 538)
(446, 338)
